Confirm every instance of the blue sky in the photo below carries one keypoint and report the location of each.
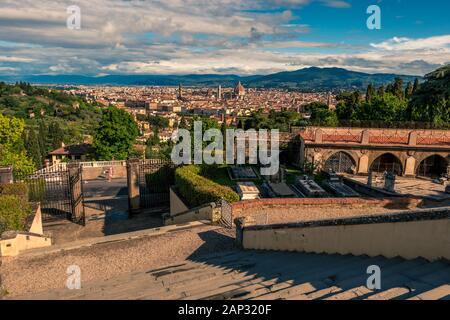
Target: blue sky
(222, 36)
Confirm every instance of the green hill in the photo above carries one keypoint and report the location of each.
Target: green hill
(34, 104)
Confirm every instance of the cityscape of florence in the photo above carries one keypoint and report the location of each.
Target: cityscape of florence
(257, 151)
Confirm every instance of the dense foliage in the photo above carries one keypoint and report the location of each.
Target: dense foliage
(14, 189)
(12, 148)
(49, 117)
(13, 212)
(427, 103)
(198, 190)
(115, 136)
(274, 120)
(14, 206)
(160, 180)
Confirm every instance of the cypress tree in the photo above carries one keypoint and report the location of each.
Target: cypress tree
(409, 90)
(370, 93)
(33, 148)
(416, 85)
(56, 135)
(397, 88)
(42, 137)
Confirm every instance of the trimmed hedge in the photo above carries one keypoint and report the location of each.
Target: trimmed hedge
(198, 190)
(14, 189)
(161, 180)
(13, 212)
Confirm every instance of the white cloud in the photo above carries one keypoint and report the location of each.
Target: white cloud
(190, 36)
(407, 44)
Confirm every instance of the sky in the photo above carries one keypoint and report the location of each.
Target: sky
(222, 36)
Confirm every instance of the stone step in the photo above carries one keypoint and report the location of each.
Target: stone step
(355, 288)
(294, 274)
(322, 278)
(411, 282)
(272, 275)
(326, 286)
(439, 293)
(264, 268)
(277, 288)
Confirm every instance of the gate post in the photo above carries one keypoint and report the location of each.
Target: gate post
(133, 185)
(6, 175)
(76, 193)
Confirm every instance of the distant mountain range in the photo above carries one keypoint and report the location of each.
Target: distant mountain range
(308, 79)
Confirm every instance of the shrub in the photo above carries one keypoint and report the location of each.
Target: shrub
(13, 212)
(14, 189)
(161, 180)
(198, 190)
(36, 189)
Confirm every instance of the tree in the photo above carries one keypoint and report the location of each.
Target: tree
(429, 102)
(387, 108)
(11, 130)
(115, 136)
(348, 102)
(322, 115)
(12, 150)
(397, 88)
(416, 85)
(34, 149)
(43, 138)
(409, 90)
(370, 93)
(55, 135)
(183, 123)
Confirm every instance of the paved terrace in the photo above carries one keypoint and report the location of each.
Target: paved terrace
(422, 188)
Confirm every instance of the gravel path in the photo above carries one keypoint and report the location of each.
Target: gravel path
(25, 275)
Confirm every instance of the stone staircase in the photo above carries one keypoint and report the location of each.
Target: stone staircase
(272, 275)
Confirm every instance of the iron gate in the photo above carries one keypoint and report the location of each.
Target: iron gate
(340, 163)
(226, 219)
(154, 178)
(59, 191)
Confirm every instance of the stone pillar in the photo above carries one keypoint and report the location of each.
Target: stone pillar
(365, 137)
(410, 167)
(363, 167)
(6, 175)
(317, 160)
(240, 224)
(412, 141)
(318, 137)
(133, 186)
(370, 179)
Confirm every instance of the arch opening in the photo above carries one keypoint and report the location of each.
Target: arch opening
(387, 163)
(433, 167)
(340, 162)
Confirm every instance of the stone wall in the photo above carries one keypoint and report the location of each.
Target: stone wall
(14, 242)
(409, 235)
(208, 212)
